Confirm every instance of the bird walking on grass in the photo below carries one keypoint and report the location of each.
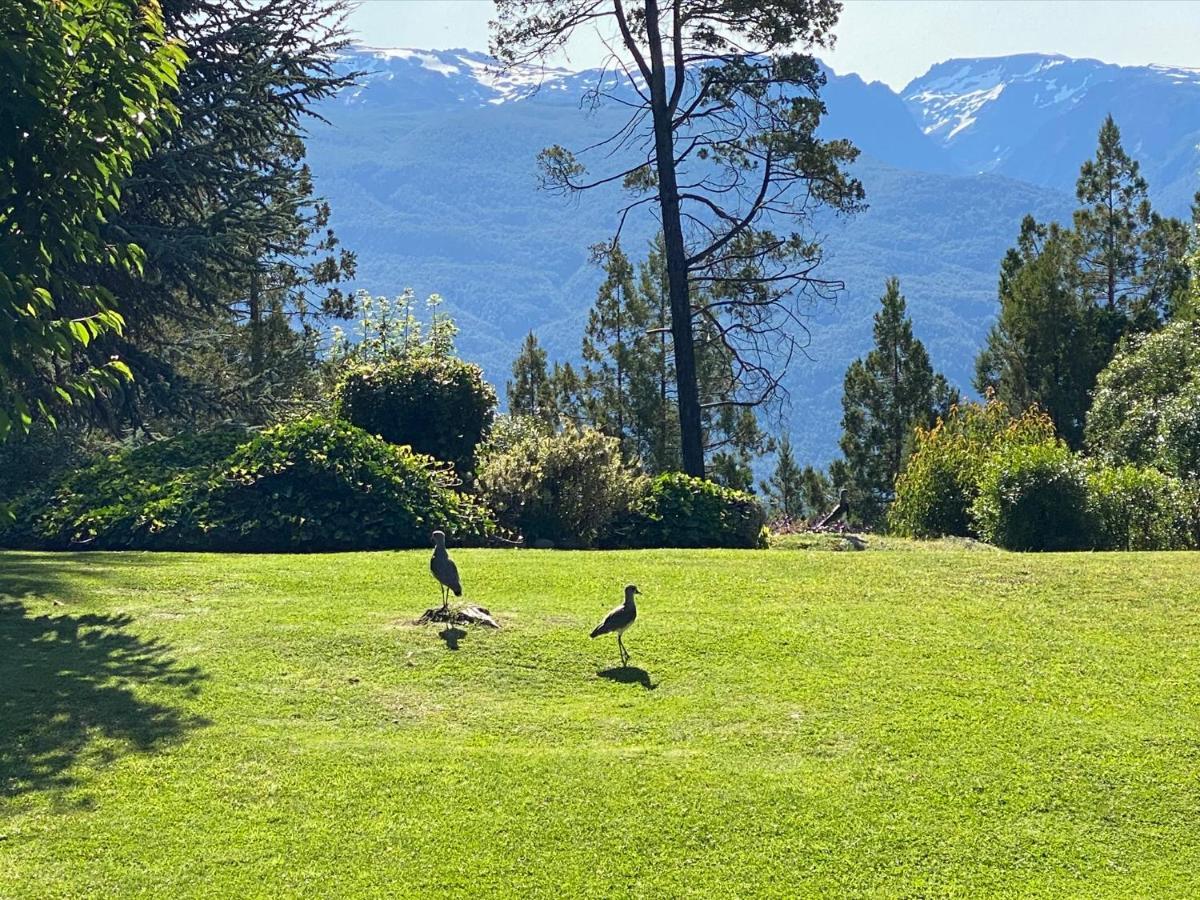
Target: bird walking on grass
(620, 619)
(444, 569)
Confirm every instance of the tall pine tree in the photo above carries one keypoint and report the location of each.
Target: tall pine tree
(531, 393)
(885, 396)
(616, 362)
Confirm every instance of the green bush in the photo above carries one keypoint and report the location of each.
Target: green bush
(317, 484)
(1146, 409)
(313, 484)
(103, 506)
(1141, 509)
(935, 491)
(568, 487)
(1034, 497)
(438, 405)
(681, 511)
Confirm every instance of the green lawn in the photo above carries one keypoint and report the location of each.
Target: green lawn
(951, 722)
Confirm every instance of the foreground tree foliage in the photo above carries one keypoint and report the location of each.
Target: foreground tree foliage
(236, 244)
(86, 93)
(726, 110)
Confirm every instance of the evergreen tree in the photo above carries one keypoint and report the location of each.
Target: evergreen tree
(785, 489)
(727, 101)
(530, 393)
(616, 362)
(816, 492)
(732, 436)
(1131, 259)
(227, 213)
(885, 396)
(568, 392)
(655, 409)
(1049, 342)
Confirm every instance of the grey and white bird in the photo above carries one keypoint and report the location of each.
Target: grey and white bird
(619, 620)
(444, 569)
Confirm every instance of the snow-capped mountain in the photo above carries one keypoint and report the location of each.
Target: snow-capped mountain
(429, 165)
(1035, 117)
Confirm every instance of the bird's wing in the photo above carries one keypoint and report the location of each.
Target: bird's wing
(611, 622)
(452, 581)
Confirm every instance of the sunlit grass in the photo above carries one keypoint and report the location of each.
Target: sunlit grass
(935, 723)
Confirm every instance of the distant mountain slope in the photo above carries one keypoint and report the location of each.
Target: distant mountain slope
(1035, 117)
(429, 166)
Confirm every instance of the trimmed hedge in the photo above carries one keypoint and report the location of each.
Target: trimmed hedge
(1034, 497)
(438, 405)
(309, 485)
(681, 511)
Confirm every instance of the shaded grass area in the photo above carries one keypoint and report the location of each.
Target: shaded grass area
(945, 723)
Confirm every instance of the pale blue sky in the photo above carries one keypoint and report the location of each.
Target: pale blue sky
(886, 40)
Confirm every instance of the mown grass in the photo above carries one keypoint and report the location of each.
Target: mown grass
(944, 723)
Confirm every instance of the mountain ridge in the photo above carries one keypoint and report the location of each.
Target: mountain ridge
(434, 184)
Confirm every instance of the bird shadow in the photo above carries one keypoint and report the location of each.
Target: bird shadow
(452, 635)
(628, 675)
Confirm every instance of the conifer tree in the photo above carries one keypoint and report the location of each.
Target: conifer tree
(1113, 218)
(656, 409)
(530, 393)
(1130, 259)
(567, 389)
(785, 488)
(885, 396)
(816, 492)
(1049, 342)
(616, 362)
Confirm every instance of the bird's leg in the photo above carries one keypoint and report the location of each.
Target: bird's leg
(624, 652)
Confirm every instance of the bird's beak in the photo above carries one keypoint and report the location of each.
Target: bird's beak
(636, 591)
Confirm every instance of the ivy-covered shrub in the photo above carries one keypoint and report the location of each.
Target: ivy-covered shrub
(1146, 409)
(438, 405)
(935, 491)
(567, 488)
(1034, 497)
(317, 484)
(680, 511)
(103, 505)
(1141, 509)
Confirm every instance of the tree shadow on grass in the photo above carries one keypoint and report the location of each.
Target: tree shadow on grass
(70, 680)
(628, 675)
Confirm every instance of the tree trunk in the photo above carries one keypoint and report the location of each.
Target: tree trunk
(690, 431)
(256, 325)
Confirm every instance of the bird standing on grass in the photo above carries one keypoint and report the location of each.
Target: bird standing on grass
(842, 509)
(620, 619)
(444, 569)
